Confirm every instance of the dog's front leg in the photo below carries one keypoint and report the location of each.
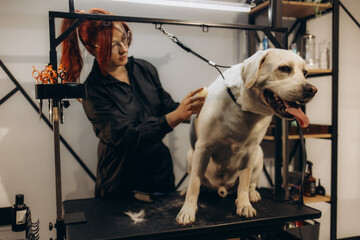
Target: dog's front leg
(243, 205)
(198, 168)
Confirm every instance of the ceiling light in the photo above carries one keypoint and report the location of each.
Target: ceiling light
(203, 4)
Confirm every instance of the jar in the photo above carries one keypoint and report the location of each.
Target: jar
(308, 50)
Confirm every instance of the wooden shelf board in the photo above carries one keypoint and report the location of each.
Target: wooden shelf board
(317, 198)
(319, 71)
(259, 7)
(293, 137)
(295, 9)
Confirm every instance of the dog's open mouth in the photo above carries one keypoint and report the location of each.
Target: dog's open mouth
(286, 109)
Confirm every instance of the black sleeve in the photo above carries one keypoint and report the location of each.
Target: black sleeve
(169, 104)
(115, 128)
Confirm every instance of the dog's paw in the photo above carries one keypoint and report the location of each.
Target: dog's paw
(254, 196)
(245, 210)
(187, 214)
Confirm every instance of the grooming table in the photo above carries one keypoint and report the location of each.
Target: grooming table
(215, 219)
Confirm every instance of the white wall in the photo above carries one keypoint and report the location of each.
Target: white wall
(26, 143)
(319, 112)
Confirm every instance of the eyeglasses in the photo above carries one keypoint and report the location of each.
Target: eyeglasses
(116, 46)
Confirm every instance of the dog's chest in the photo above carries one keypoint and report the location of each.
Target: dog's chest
(247, 132)
(225, 164)
(232, 152)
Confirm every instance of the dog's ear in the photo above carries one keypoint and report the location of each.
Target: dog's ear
(251, 66)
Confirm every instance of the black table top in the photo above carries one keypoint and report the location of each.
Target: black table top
(216, 217)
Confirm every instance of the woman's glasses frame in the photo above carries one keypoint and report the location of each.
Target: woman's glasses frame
(116, 45)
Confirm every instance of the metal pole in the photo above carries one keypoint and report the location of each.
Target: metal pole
(56, 111)
(285, 141)
(71, 6)
(275, 19)
(278, 156)
(275, 13)
(334, 118)
(285, 165)
(55, 120)
(159, 21)
(56, 130)
(53, 54)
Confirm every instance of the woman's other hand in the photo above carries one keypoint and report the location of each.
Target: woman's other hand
(190, 105)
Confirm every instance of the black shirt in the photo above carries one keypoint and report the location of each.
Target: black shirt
(130, 122)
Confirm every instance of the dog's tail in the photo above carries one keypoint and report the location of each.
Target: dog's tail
(222, 191)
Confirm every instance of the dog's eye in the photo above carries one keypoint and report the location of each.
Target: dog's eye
(285, 69)
(305, 73)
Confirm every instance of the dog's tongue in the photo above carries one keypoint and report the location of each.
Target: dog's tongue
(298, 114)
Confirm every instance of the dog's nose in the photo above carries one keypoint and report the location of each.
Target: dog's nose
(310, 90)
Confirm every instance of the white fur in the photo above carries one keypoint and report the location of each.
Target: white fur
(136, 217)
(227, 151)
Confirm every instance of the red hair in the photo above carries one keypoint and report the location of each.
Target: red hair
(93, 34)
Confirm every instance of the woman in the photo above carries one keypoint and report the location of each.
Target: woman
(128, 108)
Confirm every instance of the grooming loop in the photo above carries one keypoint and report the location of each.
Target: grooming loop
(205, 28)
(186, 48)
(169, 35)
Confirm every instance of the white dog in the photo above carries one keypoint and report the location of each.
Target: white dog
(233, 122)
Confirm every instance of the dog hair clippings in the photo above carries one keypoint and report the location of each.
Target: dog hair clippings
(136, 217)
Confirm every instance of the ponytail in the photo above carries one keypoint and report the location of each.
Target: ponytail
(71, 58)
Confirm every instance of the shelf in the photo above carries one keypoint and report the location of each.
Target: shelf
(294, 9)
(294, 137)
(299, 12)
(317, 198)
(312, 131)
(319, 72)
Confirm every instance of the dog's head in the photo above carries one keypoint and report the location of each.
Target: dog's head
(278, 76)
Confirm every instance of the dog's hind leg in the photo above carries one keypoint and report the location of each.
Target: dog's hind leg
(254, 195)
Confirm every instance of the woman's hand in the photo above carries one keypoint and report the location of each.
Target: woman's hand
(190, 105)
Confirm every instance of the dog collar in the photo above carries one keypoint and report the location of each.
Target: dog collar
(231, 95)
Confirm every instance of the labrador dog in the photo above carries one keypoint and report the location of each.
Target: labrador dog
(232, 123)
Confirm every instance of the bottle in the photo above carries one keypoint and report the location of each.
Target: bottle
(309, 182)
(19, 214)
(265, 43)
(320, 190)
